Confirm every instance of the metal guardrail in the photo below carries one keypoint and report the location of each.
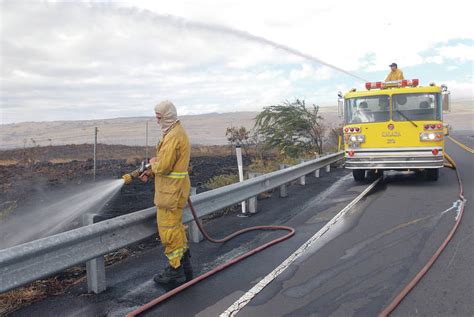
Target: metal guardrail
(37, 259)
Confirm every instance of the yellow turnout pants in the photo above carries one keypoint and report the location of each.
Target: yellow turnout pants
(172, 234)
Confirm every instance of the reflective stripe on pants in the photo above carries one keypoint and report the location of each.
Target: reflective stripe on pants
(172, 234)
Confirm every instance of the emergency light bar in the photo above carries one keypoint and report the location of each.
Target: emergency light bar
(392, 84)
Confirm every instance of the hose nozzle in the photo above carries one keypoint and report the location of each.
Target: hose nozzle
(127, 178)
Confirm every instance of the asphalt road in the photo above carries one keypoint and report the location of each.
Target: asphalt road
(356, 268)
(396, 231)
(448, 288)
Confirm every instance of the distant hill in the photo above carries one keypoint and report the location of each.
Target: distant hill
(205, 129)
(461, 116)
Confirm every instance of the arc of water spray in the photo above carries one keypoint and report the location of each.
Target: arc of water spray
(260, 39)
(184, 23)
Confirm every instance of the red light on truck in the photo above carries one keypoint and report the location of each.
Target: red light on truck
(435, 151)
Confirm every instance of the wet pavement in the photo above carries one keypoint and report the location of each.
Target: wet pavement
(448, 288)
(381, 244)
(356, 268)
(129, 282)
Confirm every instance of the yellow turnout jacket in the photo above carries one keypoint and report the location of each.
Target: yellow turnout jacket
(172, 183)
(396, 75)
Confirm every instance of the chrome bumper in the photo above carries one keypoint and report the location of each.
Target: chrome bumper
(395, 158)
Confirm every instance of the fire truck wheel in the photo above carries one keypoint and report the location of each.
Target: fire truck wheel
(420, 173)
(372, 175)
(359, 175)
(432, 174)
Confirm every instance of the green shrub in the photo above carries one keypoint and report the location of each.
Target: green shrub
(221, 180)
(263, 166)
(289, 160)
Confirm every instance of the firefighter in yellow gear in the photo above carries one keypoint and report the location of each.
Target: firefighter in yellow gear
(395, 73)
(172, 186)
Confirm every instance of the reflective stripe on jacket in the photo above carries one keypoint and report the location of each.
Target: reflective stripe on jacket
(172, 183)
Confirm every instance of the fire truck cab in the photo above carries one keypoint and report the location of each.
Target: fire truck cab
(395, 125)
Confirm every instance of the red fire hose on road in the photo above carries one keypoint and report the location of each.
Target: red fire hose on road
(221, 267)
(395, 302)
(407, 289)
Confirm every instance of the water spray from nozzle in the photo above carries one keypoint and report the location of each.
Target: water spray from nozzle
(189, 24)
(127, 178)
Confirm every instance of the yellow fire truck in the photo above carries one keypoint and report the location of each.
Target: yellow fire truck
(396, 125)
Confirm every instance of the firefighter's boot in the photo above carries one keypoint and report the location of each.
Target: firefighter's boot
(187, 267)
(171, 275)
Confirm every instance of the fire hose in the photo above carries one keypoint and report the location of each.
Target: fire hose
(385, 312)
(220, 267)
(413, 282)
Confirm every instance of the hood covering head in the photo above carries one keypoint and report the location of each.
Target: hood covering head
(168, 114)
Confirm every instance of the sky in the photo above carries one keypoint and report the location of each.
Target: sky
(72, 60)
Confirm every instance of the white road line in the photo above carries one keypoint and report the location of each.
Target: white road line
(247, 297)
(325, 194)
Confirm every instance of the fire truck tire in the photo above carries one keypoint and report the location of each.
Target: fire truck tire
(432, 174)
(372, 175)
(359, 175)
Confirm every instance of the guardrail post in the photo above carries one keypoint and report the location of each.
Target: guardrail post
(252, 201)
(25, 263)
(316, 173)
(283, 190)
(328, 168)
(95, 268)
(302, 180)
(193, 231)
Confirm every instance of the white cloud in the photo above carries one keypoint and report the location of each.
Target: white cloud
(310, 72)
(119, 60)
(458, 53)
(434, 59)
(338, 32)
(460, 90)
(88, 60)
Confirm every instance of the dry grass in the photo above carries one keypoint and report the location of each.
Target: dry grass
(263, 166)
(38, 290)
(221, 180)
(8, 162)
(210, 150)
(6, 208)
(60, 160)
(83, 152)
(117, 256)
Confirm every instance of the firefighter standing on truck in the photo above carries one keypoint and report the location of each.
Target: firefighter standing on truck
(395, 73)
(170, 171)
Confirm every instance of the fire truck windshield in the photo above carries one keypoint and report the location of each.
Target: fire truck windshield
(416, 107)
(367, 109)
